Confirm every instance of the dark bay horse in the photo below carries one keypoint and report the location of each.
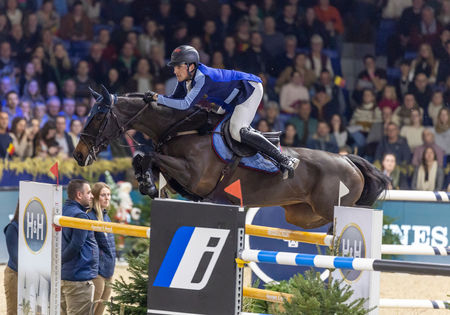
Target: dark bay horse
(308, 198)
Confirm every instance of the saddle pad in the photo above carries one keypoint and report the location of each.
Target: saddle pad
(255, 162)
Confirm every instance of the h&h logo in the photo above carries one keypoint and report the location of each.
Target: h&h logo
(191, 258)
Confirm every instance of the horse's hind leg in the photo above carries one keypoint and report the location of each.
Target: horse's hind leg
(302, 215)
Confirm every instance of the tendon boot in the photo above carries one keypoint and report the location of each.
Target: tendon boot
(258, 142)
(143, 176)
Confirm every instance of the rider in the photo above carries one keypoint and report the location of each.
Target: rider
(234, 91)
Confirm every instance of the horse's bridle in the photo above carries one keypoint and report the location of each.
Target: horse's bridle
(99, 141)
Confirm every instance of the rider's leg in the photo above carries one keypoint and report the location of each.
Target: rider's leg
(240, 131)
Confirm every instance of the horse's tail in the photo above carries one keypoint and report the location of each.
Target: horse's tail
(374, 181)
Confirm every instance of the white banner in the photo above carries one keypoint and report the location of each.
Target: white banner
(38, 277)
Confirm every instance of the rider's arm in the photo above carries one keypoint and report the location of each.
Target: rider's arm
(190, 99)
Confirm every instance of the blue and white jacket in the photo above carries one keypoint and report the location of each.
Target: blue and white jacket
(106, 248)
(226, 88)
(12, 239)
(79, 255)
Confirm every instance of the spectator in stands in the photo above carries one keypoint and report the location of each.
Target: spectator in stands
(179, 37)
(13, 13)
(166, 20)
(317, 60)
(332, 20)
(286, 58)
(403, 82)
(75, 129)
(413, 132)
(427, 31)
(12, 105)
(113, 82)
(425, 63)
(371, 77)
(422, 92)
(48, 18)
(142, 80)
(26, 76)
(22, 138)
(7, 62)
(402, 114)
(39, 112)
(98, 66)
(106, 246)
(444, 16)
(225, 22)
(32, 92)
(211, 40)
(392, 171)
(217, 60)
(437, 102)
(230, 53)
(429, 175)
(293, 92)
(119, 35)
(11, 231)
(338, 130)
(289, 136)
(61, 64)
(442, 130)
(394, 144)
(5, 138)
(158, 65)
(322, 139)
(53, 109)
(132, 38)
(254, 59)
(287, 23)
(273, 116)
(323, 106)
(196, 42)
(83, 80)
(25, 107)
(92, 9)
(299, 65)
(305, 125)
(310, 26)
(109, 51)
(76, 26)
(68, 110)
(377, 131)
(367, 113)
(126, 63)
(262, 125)
(63, 138)
(273, 40)
(80, 255)
(428, 141)
(150, 37)
(69, 89)
(4, 27)
(45, 144)
(389, 98)
(18, 43)
(192, 19)
(444, 65)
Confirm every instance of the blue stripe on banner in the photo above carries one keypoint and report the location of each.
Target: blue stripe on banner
(436, 251)
(268, 257)
(343, 262)
(438, 196)
(173, 256)
(435, 305)
(448, 194)
(305, 260)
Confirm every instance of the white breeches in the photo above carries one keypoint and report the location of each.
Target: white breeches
(245, 112)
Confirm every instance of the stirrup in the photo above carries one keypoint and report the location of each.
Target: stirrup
(288, 168)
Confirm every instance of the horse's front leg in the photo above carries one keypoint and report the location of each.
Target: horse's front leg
(177, 168)
(142, 165)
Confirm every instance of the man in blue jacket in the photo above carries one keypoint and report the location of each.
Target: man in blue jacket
(234, 91)
(79, 253)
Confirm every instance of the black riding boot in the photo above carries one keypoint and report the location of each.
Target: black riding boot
(259, 142)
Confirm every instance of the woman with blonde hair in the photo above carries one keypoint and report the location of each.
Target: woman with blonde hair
(425, 63)
(106, 246)
(413, 131)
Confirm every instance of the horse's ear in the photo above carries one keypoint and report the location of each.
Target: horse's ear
(106, 96)
(94, 94)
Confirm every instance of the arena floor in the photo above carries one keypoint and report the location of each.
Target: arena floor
(400, 286)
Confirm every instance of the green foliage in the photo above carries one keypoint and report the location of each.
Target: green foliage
(312, 296)
(389, 237)
(132, 294)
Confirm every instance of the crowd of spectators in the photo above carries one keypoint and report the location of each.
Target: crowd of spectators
(396, 115)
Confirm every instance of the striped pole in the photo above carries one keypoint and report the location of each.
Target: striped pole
(278, 297)
(415, 195)
(322, 261)
(290, 235)
(327, 240)
(100, 226)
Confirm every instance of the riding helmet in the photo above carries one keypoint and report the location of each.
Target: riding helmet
(184, 54)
